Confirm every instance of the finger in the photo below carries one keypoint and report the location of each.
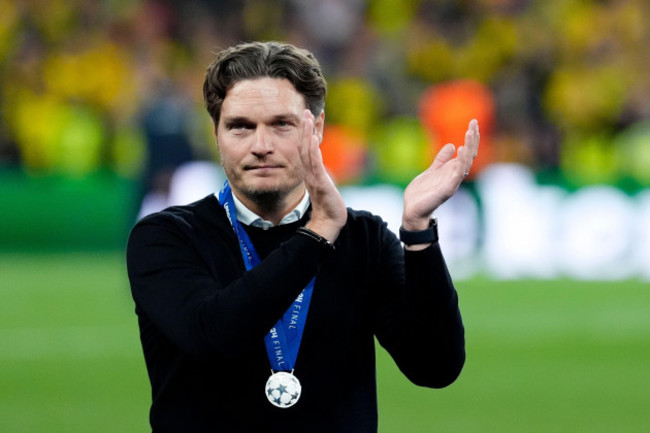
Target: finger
(315, 156)
(472, 138)
(467, 154)
(464, 161)
(308, 124)
(305, 139)
(470, 149)
(444, 155)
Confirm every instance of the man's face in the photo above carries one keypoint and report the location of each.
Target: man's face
(259, 135)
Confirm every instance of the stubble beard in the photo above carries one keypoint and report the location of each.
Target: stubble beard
(265, 199)
(270, 199)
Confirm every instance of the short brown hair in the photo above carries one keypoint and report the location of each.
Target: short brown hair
(264, 59)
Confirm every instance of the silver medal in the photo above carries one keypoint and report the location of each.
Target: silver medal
(283, 389)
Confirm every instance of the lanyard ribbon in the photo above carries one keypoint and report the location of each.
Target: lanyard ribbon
(283, 340)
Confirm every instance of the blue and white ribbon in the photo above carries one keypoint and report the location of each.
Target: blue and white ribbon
(283, 340)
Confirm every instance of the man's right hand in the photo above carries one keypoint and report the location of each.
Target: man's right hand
(329, 214)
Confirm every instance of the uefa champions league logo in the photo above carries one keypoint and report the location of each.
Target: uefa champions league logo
(283, 389)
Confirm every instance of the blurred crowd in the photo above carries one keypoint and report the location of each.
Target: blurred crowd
(561, 86)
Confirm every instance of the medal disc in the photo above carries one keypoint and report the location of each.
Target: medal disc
(283, 389)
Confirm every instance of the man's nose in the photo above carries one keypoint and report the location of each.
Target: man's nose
(262, 144)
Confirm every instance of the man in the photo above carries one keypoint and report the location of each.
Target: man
(258, 307)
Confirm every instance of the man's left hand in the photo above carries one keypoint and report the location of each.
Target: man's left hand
(440, 181)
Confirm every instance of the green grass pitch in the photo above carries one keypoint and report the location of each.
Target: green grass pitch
(543, 356)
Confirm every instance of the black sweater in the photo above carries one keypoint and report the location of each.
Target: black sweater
(203, 319)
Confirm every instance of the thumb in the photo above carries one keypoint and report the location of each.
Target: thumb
(445, 154)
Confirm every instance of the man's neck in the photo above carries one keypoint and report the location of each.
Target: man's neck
(272, 208)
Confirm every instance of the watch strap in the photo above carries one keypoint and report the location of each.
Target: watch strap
(315, 236)
(426, 236)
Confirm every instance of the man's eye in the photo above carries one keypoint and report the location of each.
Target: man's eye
(282, 124)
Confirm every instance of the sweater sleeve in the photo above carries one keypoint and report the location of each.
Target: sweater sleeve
(199, 312)
(418, 320)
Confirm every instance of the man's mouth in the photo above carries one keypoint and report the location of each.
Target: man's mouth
(261, 167)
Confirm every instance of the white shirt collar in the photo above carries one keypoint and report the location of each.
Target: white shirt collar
(248, 217)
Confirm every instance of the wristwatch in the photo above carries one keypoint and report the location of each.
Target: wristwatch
(426, 236)
(315, 236)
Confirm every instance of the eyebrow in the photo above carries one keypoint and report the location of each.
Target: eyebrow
(286, 117)
(236, 119)
(243, 119)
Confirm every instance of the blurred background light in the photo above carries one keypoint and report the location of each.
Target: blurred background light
(112, 90)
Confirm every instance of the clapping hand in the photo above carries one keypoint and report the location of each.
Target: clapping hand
(440, 181)
(329, 213)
